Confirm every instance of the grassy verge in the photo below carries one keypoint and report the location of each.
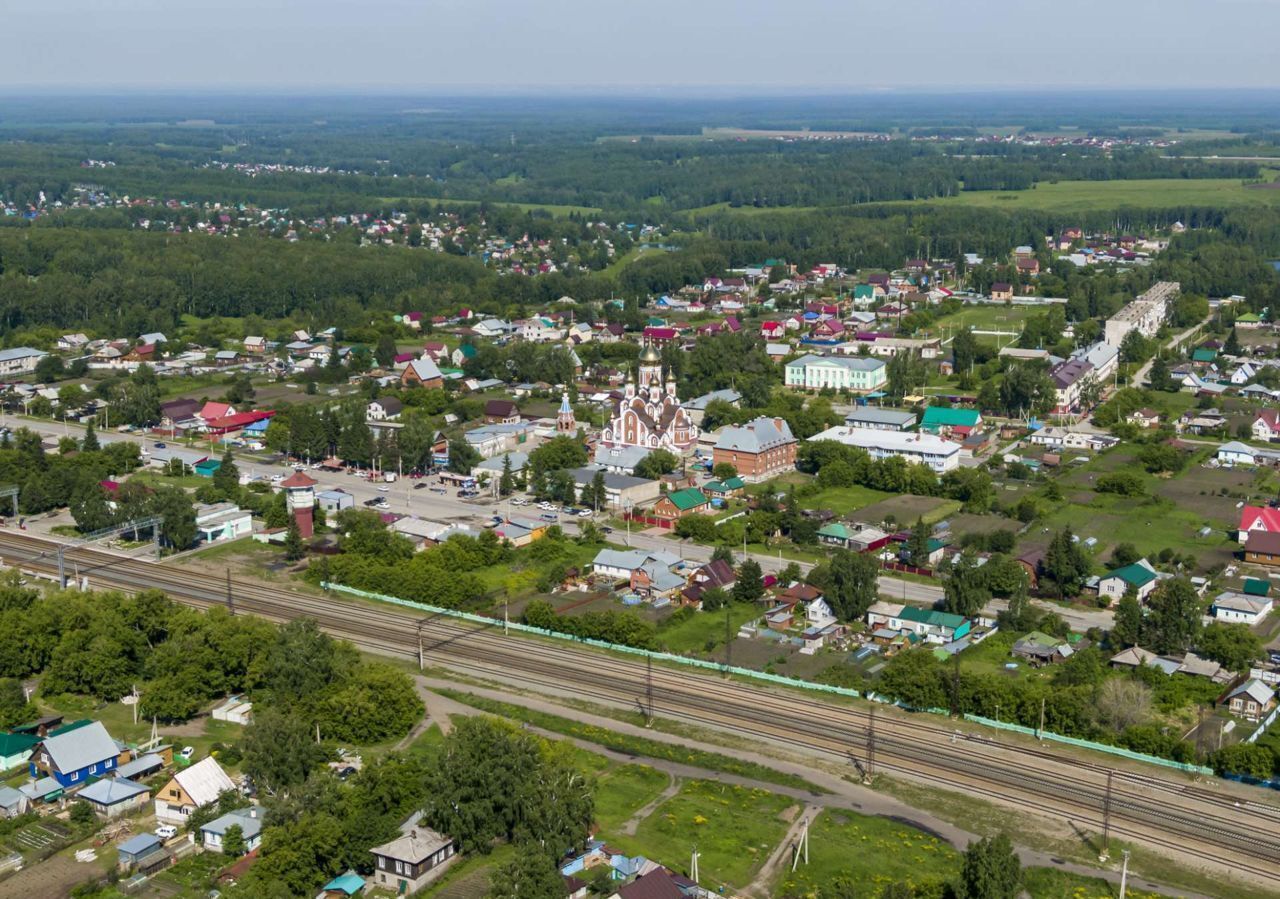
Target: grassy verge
(1047, 883)
(624, 791)
(734, 828)
(852, 848)
(632, 745)
(1033, 832)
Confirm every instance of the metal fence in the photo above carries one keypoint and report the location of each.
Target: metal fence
(766, 677)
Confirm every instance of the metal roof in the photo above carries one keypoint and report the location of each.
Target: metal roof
(80, 748)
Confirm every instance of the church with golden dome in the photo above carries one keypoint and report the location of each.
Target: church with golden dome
(648, 414)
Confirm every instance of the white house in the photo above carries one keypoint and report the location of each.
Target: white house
(223, 521)
(249, 820)
(616, 563)
(1140, 576)
(817, 613)
(1235, 453)
(1267, 425)
(1237, 608)
(384, 408)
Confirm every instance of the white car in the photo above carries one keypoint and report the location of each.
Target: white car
(383, 489)
(166, 831)
(187, 752)
(519, 502)
(585, 513)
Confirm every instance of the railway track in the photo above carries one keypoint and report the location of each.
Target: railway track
(1173, 814)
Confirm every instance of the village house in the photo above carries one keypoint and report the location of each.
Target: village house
(501, 412)
(1238, 608)
(1258, 518)
(384, 408)
(1262, 548)
(1266, 427)
(75, 753)
(927, 449)
(879, 419)
(422, 373)
(927, 625)
(190, 789)
(213, 835)
(1041, 649)
(1139, 576)
(111, 797)
(1250, 699)
(1002, 290)
(410, 862)
(676, 505)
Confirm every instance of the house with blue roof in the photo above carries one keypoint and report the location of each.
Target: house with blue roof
(343, 886)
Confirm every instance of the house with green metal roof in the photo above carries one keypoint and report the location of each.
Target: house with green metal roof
(930, 625)
(1204, 354)
(15, 749)
(733, 486)
(864, 293)
(1139, 576)
(1248, 320)
(349, 884)
(1256, 587)
(679, 503)
(939, 419)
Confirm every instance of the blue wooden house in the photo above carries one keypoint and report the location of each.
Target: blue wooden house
(74, 754)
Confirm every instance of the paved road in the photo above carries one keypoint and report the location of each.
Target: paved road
(405, 497)
(1140, 378)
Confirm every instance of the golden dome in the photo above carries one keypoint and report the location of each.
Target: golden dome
(650, 354)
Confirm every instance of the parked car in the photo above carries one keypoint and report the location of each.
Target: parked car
(187, 752)
(166, 831)
(372, 502)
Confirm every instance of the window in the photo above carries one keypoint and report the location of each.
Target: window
(75, 775)
(93, 769)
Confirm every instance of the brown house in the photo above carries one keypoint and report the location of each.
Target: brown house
(421, 373)
(1001, 290)
(501, 412)
(758, 450)
(1031, 563)
(674, 506)
(407, 864)
(1262, 548)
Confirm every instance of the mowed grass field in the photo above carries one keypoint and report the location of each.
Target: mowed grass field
(1083, 196)
(988, 318)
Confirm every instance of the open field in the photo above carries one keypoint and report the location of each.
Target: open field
(844, 500)
(906, 509)
(624, 791)
(1082, 196)
(870, 852)
(735, 828)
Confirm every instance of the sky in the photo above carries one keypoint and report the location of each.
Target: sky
(650, 46)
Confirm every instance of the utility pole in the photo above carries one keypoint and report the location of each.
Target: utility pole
(693, 865)
(802, 845)
(648, 689)
(231, 602)
(728, 643)
(871, 744)
(1124, 872)
(1106, 819)
(1040, 732)
(422, 661)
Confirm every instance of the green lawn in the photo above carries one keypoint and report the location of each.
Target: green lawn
(1046, 883)
(844, 500)
(1082, 196)
(693, 634)
(734, 828)
(868, 852)
(622, 792)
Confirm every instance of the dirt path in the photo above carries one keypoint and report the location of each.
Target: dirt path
(435, 713)
(632, 824)
(843, 794)
(762, 885)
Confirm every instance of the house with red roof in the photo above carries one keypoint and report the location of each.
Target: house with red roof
(772, 330)
(229, 424)
(211, 410)
(1258, 518)
(1267, 425)
(659, 336)
(831, 327)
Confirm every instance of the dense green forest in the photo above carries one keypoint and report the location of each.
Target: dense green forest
(808, 201)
